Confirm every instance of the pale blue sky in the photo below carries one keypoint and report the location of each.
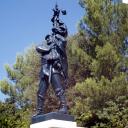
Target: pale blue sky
(23, 22)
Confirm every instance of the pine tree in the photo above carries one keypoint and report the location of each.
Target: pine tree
(13, 117)
(22, 78)
(103, 28)
(21, 85)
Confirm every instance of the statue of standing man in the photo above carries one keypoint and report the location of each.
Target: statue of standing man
(54, 64)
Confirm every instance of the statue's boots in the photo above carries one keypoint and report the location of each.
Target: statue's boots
(40, 104)
(63, 104)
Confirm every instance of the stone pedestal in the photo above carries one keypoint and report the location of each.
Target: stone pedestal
(53, 120)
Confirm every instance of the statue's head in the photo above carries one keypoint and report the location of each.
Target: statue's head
(48, 39)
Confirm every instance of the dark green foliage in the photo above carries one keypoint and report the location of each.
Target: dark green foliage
(114, 114)
(12, 117)
(92, 98)
(100, 98)
(20, 88)
(22, 79)
(78, 60)
(105, 28)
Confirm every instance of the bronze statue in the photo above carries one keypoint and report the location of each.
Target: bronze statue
(54, 64)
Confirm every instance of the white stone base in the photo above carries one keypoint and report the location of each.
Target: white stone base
(53, 123)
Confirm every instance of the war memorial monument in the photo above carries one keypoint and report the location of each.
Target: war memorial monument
(54, 69)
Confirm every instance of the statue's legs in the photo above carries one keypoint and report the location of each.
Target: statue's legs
(59, 91)
(43, 86)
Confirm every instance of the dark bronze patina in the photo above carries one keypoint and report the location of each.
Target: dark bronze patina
(54, 64)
